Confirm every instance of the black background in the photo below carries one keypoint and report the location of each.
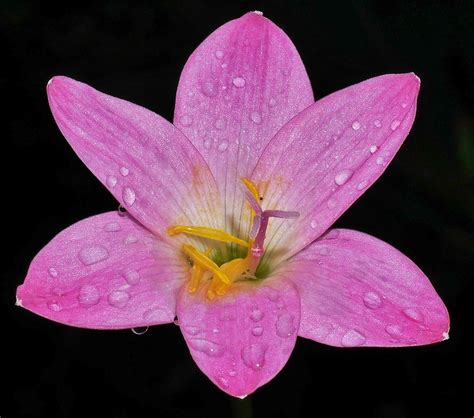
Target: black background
(423, 204)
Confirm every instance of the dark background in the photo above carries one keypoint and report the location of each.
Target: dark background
(423, 204)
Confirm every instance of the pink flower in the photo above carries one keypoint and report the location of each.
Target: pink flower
(228, 213)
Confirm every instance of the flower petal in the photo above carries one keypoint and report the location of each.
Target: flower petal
(359, 291)
(241, 85)
(326, 157)
(243, 339)
(145, 162)
(104, 272)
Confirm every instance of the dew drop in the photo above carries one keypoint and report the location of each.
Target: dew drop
(111, 181)
(313, 224)
(121, 211)
(207, 143)
(93, 254)
(215, 330)
(209, 88)
(156, 315)
(404, 105)
(414, 314)
(394, 330)
(331, 203)
(220, 124)
(208, 347)
(395, 124)
(132, 277)
(257, 331)
(352, 338)
(324, 251)
(238, 82)
(219, 54)
(88, 295)
(232, 373)
(55, 306)
(355, 125)
(377, 123)
(140, 330)
(52, 271)
(192, 330)
(285, 326)
(342, 177)
(373, 148)
(186, 120)
(256, 314)
(124, 171)
(223, 145)
(223, 382)
(362, 185)
(256, 118)
(118, 298)
(128, 196)
(272, 102)
(380, 161)
(372, 300)
(190, 94)
(131, 239)
(112, 227)
(254, 356)
(224, 65)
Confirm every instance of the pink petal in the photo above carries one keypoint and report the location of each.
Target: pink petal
(359, 291)
(104, 272)
(241, 85)
(145, 162)
(327, 156)
(242, 340)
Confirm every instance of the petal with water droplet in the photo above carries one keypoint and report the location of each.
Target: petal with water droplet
(251, 349)
(99, 274)
(370, 293)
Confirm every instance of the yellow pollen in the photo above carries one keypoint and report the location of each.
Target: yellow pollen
(205, 232)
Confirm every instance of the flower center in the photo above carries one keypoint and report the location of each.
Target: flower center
(218, 279)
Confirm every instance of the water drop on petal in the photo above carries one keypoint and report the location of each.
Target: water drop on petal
(118, 298)
(254, 356)
(372, 300)
(112, 227)
(342, 177)
(223, 145)
(53, 272)
(256, 314)
(272, 102)
(353, 338)
(124, 171)
(257, 331)
(380, 161)
(285, 326)
(88, 295)
(220, 124)
(55, 306)
(140, 330)
(111, 181)
(186, 120)
(313, 224)
(132, 277)
(362, 185)
(377, 124)
(256, 118)
(331, 203)
(414, 314)
(208, 347)
(356, 125)
(128, 196)
(209, 89)
(207, 143)
(93, 254)
(395, 124)
(219, 54)
(238, 82)
(373, 148)
(394, 330)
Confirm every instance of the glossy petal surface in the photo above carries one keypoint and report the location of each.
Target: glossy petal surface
(241, 85)
(359, 291)
(104, 272)
(328, 155)
(242, 340)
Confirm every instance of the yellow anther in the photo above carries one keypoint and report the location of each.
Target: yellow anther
(205, 232)
(205, 263)
(251, 187)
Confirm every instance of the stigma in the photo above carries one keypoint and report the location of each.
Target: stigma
(218, 279)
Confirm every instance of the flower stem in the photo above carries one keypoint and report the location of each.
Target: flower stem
(241, 408)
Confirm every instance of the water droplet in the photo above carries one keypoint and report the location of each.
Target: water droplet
(215, 330)
(256, 118)
(190, 93)
(112, 227)
(254, 356)
(342, 177)
(186, 120)
(156, 315)
(118, 298)
(372, 300)
(404, 105)
(223, 145)
(238, 82)
(256, 314)
(414, 314)
(324, 251)
(88, 295)
(257, 331)
(55, 306)
(192, 330)
(132, 277)
(93, 254)
(332, 234)
(209, 88)
(140, 330)
(394, 330)
(352, 338)
(207, 144)
(223, 382)
(380, 161)
(373, 148)
(395, 124)
(128, 196)
(224, 65)
(124, 171)
(220, 124)
(285, 72)
(208, 347)
(232, 373)
(219, 54)
(53, 272)
(362, 185)
(313, 224)
(377, 123)
(272, 102)
(131, 239)
(331, 203)
(355, 125)
(285, 326)
(111, 181)
(121, 211)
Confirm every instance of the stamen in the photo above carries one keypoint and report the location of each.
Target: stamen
(251, 188)
(205, 262)
(205, 232)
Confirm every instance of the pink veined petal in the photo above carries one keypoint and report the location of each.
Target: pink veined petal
(326, 157)
(242, 340)
(241, 85)
(359, 291)
(144, 161)
(104, 272)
